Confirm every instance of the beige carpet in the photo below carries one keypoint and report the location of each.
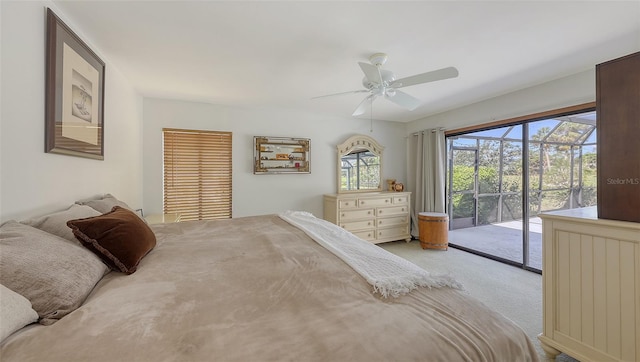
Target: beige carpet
(514, 292)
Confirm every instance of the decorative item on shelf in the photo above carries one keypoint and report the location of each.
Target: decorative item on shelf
(390, 184)
(398, 187)
(282, 156)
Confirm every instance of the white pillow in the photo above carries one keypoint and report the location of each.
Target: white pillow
(15, 312)
(56, 223)
(104, 204)
(55, 275)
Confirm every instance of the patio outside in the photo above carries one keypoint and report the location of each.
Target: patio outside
(503, 240)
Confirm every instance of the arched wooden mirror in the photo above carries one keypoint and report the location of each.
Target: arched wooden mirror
(359, 165)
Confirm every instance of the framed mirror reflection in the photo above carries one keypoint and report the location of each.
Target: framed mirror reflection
(359, 165)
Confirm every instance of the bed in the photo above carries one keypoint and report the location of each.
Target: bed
(258, 289)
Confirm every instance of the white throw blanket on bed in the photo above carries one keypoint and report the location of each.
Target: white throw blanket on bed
(389, 274)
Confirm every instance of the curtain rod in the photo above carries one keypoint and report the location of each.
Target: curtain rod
(429, 130)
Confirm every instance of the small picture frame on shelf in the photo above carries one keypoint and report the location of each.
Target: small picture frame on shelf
(278, 155)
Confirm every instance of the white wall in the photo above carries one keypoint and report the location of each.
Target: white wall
(263, 194)
(564, 92)
(33, 182)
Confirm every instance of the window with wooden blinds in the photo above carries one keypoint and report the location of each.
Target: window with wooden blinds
(197, 174)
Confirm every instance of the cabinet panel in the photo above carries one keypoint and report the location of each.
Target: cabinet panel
(389, 211)
(366, 235)
(358, 225)
(356, 214)
(618, 112)
(391, 221)
(383, 201)
(397, 200)
(348, 204)
(397, 231)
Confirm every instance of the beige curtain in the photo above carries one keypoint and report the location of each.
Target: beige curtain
(426, 168)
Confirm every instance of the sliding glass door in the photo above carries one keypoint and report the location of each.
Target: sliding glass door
(493, 177)
(492, 174)
(562, 171)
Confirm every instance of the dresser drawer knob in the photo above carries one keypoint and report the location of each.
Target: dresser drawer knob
(361, 202)
(368, 212)
(380, 212)
(386, 200)
(343, 215)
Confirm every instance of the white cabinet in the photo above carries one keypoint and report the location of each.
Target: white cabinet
(591, 286)
(374, 216)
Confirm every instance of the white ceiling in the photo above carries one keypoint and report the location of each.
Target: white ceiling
(282, 54)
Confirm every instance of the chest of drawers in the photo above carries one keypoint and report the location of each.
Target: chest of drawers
(377, 216)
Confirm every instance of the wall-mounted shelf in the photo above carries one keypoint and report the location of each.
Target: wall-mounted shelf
(281, 155)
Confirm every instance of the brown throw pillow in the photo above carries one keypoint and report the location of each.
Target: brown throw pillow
(119, 237)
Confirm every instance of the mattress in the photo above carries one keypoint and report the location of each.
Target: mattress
(259, 289)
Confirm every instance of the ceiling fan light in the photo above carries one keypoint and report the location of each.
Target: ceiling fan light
(391, 92)
(387, 76)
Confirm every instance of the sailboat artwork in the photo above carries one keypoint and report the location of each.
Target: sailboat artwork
(81, 97)
(79, 117)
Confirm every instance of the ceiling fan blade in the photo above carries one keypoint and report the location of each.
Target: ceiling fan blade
(371, 72)
(404, 100)
(362, 107)
(440, 74)
(343, 93)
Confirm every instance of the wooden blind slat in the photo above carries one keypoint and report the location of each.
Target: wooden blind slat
(197, 174)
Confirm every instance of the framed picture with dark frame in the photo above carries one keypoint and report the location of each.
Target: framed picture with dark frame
(74, 96)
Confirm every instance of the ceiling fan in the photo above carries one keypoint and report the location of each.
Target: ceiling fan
(383, 83)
